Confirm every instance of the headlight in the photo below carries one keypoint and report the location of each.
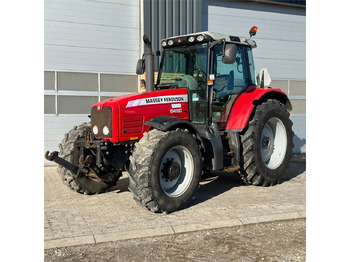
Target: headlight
(105, 130)
(191, 39)
(200, 38)
(95, 130)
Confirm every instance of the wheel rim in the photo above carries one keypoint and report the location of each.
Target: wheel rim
(176, 171)
(273, 143)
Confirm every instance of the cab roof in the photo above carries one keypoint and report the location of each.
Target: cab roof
(195, 38)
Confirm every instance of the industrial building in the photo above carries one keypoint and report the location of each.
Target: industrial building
(92, 46)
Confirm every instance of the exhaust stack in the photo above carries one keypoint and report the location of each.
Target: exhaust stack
(149, 64)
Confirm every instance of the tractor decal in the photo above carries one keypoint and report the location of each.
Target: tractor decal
(157, 100)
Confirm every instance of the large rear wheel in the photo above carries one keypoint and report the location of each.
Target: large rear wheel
(267, 144)
(165, 170)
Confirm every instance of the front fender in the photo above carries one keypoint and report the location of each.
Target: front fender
(165, 123)
(245, 104)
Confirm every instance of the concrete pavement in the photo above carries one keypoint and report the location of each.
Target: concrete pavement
(222, 201)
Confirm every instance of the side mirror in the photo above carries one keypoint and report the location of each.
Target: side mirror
(140, 67)
(229, 53)
(263, 79)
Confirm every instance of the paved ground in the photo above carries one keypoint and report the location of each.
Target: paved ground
(269, 242)
(222, 201)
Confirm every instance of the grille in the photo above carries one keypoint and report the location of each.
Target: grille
(100, 119)
(132, 124)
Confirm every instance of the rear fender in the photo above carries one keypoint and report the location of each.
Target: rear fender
(245, 103)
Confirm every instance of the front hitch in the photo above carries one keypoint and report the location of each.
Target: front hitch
(77, 171)
(85, 164)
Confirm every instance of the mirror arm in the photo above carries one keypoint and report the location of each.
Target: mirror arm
(262, 80)
(214, 43)
(223, 47)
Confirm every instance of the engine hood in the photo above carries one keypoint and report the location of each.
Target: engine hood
(145, 99)
(129, 112)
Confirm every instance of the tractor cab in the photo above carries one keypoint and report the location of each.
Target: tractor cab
(215, 68)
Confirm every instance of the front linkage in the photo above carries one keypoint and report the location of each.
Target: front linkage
(94, 159)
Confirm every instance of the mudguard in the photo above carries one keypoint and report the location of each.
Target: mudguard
(165, 123)
(208, 136)
(245, 104)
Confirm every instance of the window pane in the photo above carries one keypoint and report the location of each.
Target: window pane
(186, 66)
(251, 65)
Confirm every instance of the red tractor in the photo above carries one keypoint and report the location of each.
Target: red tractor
(205, 112)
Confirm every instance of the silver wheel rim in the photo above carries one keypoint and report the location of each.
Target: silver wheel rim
(273, 143)
(178, 156)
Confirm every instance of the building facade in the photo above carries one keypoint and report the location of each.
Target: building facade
(91, 49)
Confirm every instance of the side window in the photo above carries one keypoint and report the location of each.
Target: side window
(251, 65)
(230, 79)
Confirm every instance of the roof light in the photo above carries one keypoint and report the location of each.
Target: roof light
(253, 31)
(200, 38)
(191, 39)
(163, 43)
(170, 42)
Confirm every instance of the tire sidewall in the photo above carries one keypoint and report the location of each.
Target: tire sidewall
(283, 115)
(175, 138)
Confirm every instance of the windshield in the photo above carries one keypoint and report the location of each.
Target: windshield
(185, 66)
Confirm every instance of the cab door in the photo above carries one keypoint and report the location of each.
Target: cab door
(230, 81)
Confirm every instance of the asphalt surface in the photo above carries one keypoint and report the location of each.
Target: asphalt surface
(222, 201)
(271, 241)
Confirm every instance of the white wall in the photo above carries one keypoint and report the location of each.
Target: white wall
(91, 36)
(281, 36)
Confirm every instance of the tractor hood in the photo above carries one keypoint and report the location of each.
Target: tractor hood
(121, 118)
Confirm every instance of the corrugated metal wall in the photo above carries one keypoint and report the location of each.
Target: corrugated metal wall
(165, 18)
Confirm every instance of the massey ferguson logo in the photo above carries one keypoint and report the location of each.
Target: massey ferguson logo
(157, 100)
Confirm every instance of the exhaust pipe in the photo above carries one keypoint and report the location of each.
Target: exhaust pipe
(149, 64)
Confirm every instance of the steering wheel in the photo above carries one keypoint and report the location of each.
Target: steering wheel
(197, 71)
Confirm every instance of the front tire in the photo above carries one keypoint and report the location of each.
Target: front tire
(71, 153)
(267, 144)
(165, 170)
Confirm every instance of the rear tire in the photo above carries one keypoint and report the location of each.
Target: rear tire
(71, 153)
(165, 170)
(267, 144)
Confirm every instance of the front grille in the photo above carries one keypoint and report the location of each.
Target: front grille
(100, 119)
(132, 124)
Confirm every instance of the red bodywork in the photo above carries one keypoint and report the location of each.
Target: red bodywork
(129, 112)
(243, 106)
